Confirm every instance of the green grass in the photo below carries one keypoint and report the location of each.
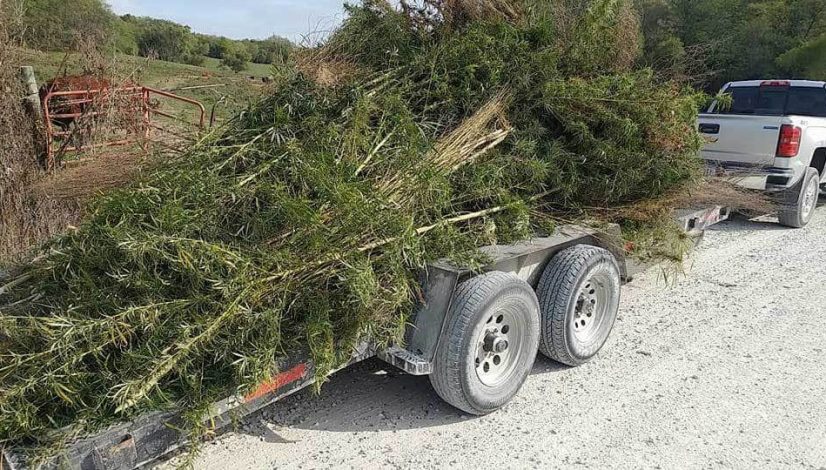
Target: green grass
(231, 93)
(252, 70)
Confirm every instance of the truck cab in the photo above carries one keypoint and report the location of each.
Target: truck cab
(770, 135)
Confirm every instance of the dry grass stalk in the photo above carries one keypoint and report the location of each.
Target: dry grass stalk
(710, 192)
(475, 136)
(627, 36)
(324, 67)
(81, 181)
(470, 10)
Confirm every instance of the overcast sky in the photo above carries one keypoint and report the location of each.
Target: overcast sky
(241, 19)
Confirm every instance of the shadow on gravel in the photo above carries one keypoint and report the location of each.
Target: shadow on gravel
(741, 222)
(371, 396)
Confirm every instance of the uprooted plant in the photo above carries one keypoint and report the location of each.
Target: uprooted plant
(302, 223)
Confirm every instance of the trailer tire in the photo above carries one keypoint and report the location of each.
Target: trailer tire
(800, 201)
(579, 295)
(489, 344)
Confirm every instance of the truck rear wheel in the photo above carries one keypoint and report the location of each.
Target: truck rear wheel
(579, 295)
(800, 201)
(489, 344)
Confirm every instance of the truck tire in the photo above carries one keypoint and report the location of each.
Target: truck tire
(579, 295)
(800, 201)
(489, 344)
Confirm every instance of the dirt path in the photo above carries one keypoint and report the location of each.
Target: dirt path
(726, 369)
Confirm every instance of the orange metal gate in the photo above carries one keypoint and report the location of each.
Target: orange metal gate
(81, 120)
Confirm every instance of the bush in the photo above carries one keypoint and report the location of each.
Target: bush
(218, 46)
(236, 59)
(275, 50)
(164, 40)
(29, 217)
(58, 24)
(807, 60)
(194, 59)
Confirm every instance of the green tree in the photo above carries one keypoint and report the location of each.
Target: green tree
(58, 24)
(806, 61)
(236, 59)
(218, 46)
(273, 50)
(125, 36)
(197, 51)
(739, 39)
(662, 46)
(164, 39)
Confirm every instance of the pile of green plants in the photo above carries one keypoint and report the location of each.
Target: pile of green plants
(302, 224)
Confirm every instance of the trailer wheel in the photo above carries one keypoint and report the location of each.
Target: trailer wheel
(800, 201)
(489, 344)
(579, 295)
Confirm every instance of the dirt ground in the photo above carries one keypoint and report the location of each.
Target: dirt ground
(726, 368)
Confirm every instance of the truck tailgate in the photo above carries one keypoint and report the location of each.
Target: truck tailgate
(740, 139)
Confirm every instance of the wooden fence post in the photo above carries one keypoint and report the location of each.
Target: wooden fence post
(32, 92)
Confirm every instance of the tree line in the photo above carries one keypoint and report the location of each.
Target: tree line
(60, 25)
(725, 40)
(711, 41)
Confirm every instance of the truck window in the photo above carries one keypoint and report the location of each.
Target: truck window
(776, 101)
(743, 100)
(807, 102)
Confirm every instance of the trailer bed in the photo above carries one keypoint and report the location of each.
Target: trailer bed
(154, 435)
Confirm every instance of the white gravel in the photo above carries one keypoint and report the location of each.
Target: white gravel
(724, 367)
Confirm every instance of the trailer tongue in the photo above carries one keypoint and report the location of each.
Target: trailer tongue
(479, 331)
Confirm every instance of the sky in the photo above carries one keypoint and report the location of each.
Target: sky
(241, 19)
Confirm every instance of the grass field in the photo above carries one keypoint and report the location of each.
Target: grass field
(218, 88)
(253, 70)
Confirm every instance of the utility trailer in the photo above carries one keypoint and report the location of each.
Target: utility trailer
(475, 334)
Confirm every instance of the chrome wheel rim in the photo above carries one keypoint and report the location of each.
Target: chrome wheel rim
(498, 346)
(809, 199)
(591, 308)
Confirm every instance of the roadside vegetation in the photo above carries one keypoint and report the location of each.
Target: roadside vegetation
(37, 205)
(27, 217)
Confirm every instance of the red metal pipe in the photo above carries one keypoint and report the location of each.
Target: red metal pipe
(141, 96)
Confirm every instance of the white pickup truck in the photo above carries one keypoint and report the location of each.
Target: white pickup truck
(771, 136)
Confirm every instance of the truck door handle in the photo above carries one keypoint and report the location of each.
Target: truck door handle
(710, 128)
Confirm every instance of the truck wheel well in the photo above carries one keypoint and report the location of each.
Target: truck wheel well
(819, 160)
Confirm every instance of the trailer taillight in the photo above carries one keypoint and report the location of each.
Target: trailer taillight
(281, 380)
(789, 144)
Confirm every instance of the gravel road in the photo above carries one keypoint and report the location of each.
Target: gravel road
(724, 367)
